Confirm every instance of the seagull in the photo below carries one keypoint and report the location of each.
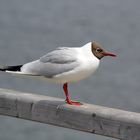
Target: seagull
(64, 65)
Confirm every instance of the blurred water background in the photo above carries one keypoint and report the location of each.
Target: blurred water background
(29, 29)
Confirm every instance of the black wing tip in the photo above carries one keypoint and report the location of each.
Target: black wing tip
(2, 69)
(11, 68)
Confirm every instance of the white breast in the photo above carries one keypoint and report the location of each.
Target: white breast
(88, 64)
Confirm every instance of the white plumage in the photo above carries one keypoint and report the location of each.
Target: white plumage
(65, 64)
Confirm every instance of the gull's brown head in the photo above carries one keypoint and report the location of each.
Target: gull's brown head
(98, 51)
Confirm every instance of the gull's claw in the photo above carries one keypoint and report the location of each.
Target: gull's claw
(73, 102)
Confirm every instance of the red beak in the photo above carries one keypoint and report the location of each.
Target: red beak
(108, 54)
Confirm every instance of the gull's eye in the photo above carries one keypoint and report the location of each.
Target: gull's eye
(99, 50)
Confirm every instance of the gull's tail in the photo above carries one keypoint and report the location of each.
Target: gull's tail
(11, 68)
(15, 70)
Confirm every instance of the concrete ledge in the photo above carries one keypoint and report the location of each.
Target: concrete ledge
(88, 118)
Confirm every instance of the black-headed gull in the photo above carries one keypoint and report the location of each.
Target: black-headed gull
(64, 65)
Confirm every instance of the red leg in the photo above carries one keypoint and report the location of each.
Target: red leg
(68, 100)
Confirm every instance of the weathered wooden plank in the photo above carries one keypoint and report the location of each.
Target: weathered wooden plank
(89, 118)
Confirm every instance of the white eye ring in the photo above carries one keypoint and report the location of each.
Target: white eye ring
(99, 50)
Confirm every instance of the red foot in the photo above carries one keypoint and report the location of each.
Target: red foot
(68, 101)
(73, 102)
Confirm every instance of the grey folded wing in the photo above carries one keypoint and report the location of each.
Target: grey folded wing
(56, 62)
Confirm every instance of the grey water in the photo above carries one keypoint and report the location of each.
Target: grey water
(29, 29)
